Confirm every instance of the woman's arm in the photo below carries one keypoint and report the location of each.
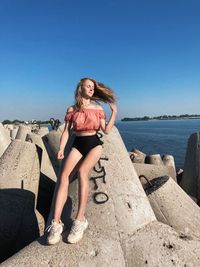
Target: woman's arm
(107, 128)
(65, 135)
(63, 140)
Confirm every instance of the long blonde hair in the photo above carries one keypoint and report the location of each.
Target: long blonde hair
(101, 93)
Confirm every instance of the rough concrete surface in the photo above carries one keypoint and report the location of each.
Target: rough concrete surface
(23, 130)
(137, 156)
(122, 232)
(190, 181)
(168, 160)
(43, 131)
(13, 132)
(154, 159)
(4, 139)
(152, 171)
(46, 165)
(174, 207)
(19, 224)
(19, 167)
(158, 245)
(19, 182)
(110, 224)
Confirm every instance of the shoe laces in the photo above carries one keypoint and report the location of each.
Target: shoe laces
(53, 227)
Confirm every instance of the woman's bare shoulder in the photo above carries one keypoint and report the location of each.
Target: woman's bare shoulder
(70, 109)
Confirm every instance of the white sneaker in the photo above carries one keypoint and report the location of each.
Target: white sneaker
(77, 231)
(55, 230)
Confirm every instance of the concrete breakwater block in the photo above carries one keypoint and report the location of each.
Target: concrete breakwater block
(46, 165)
(52, 144)
(190, 181)
(173, 206)
(159, 245)
(168, 160)
(53, 139)
(155, 244)
(151, 171)
(23, 130)
(111, 224)
(4, 139)
(18, 223)
(123, 183)
(19, 172)
(43, 131)
(19, 167)
(154, 159)
(47, 178)
(13, 132)
(137, 156)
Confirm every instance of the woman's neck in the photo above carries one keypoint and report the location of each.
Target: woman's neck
(86, 102)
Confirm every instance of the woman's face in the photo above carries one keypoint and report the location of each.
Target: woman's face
(87, 88)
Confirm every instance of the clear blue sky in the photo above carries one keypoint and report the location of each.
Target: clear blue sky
(148, 51)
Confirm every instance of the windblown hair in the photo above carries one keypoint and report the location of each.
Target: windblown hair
(101, 93)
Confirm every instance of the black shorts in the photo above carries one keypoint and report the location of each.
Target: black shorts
(85, 143)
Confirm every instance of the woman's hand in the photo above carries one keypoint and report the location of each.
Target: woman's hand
(113, 107)
(60, 154)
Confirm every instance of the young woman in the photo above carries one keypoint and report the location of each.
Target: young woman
(86, 117)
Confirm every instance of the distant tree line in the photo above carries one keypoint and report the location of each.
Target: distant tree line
(145, 118)
(25, 122)
(163, 117)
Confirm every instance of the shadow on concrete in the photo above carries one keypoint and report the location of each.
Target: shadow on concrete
(18, 221)
(45, 195)
(45, 190)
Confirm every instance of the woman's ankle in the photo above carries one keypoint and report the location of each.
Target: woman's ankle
(80, 218)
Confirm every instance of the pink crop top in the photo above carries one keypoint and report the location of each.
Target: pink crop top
(85, 120)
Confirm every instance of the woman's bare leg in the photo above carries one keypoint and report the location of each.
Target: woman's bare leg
(84, 171)
(62, 193)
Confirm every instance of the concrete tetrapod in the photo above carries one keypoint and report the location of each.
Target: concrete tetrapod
(43, 131)
(173, 206)
(158, 245)
(22, 132)
(110, 224)
(19, 180)
(52, 143)
(19, 222)
(47, 179)
(168, 160)
(4, 139)
(137, 156)
(151, 171)
(19, 167)
(46, 166)
(13, 132)
(190, 181)
(6, 128)
(53, 139)
(154, 159)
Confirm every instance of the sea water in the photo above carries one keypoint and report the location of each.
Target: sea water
(159, 136)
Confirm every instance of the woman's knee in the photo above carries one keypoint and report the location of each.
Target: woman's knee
(83, 173)
(64, 178)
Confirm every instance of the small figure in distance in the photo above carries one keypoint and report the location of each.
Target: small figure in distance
(86, 117)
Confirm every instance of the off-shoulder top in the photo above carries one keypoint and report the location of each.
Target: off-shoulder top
(86, 120)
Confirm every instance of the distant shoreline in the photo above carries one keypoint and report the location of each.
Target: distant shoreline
(165, 117)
